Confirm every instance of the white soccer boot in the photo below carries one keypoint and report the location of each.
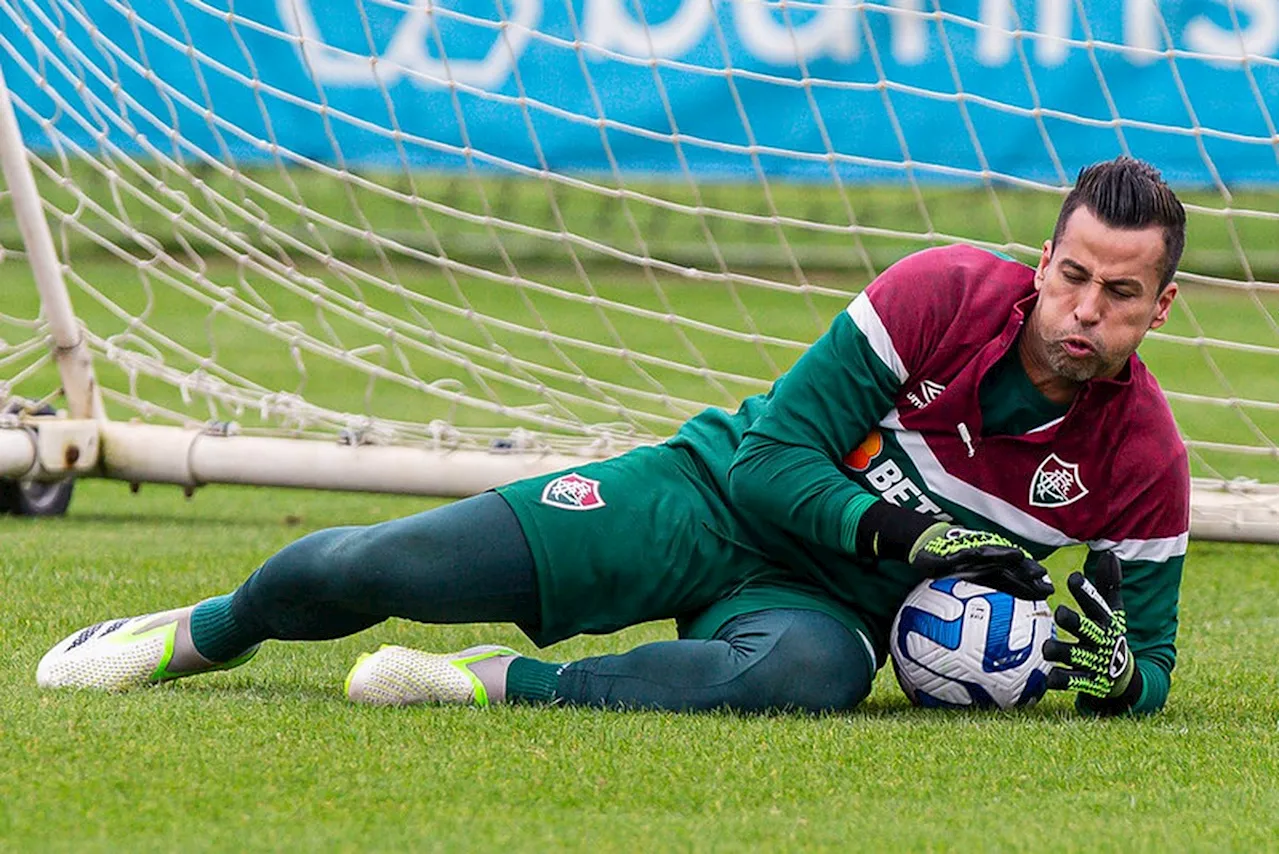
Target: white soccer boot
(120, 654)
(399, 676)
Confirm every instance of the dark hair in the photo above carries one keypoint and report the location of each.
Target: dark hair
(1128, 193)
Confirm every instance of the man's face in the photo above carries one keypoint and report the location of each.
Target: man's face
(1097, 298)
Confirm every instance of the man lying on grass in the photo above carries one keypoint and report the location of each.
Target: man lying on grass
(966, 415)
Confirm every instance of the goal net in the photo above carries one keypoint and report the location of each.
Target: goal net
(489, 237)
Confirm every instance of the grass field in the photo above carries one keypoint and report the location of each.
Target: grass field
(271, 757)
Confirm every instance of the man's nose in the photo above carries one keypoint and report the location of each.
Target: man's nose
(1089, 307)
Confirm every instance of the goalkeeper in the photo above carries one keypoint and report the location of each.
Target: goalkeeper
(966, 414)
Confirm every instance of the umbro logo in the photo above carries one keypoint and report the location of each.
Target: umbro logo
(1056, 483)
(925, 394)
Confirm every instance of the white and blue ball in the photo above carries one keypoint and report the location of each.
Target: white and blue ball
(957, 644)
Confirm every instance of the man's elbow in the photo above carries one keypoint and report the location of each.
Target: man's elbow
(748, 482)
(742, 486)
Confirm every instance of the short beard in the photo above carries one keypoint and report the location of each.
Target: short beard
(1075, 370)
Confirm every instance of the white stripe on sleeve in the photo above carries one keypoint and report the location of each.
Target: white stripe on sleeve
(865, 318)
(1158, 550)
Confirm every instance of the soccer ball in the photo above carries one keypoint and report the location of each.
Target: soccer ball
(959, 644)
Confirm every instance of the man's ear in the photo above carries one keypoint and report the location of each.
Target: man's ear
(1163, 303)
(1046, 252)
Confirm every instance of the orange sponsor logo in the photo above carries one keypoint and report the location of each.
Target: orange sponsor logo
(860, 457)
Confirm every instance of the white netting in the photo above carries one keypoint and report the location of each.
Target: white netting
(568, 226)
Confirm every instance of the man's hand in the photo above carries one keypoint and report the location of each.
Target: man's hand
(981, 557)
(1099, 662)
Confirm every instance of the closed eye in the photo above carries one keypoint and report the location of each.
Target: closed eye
(1073, 272)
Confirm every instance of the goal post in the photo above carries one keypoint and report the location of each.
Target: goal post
(403, 245)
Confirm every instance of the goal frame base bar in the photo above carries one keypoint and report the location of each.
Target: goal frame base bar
(147, 453)
(1235, 511)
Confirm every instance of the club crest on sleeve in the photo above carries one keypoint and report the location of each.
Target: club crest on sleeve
(1056, 483)
(573, 492)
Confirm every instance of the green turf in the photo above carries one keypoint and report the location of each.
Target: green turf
(270, 757)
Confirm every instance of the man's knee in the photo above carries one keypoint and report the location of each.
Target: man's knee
(313, 589)
(816, 665)
(321, 566)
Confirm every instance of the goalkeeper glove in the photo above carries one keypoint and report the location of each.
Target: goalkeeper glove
(1098, 663)
(981, 557)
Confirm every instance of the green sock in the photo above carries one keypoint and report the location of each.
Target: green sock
(214, 631)
(532, 681)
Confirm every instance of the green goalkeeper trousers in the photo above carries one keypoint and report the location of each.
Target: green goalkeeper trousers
(469, 562)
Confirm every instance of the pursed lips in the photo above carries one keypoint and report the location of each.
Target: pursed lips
(1077, 346)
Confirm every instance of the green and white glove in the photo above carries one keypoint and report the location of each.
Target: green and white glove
(1098, 663)
(981, 557)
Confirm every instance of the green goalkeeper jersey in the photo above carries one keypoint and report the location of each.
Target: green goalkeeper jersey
(916, 396)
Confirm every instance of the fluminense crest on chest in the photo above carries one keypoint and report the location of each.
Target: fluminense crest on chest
(1056, 483)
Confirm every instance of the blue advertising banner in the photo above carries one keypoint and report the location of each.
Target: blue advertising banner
(719, 89)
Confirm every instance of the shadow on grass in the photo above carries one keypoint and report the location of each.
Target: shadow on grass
(152, 518)
(266, 690)
(275, 691)
(900, 708)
